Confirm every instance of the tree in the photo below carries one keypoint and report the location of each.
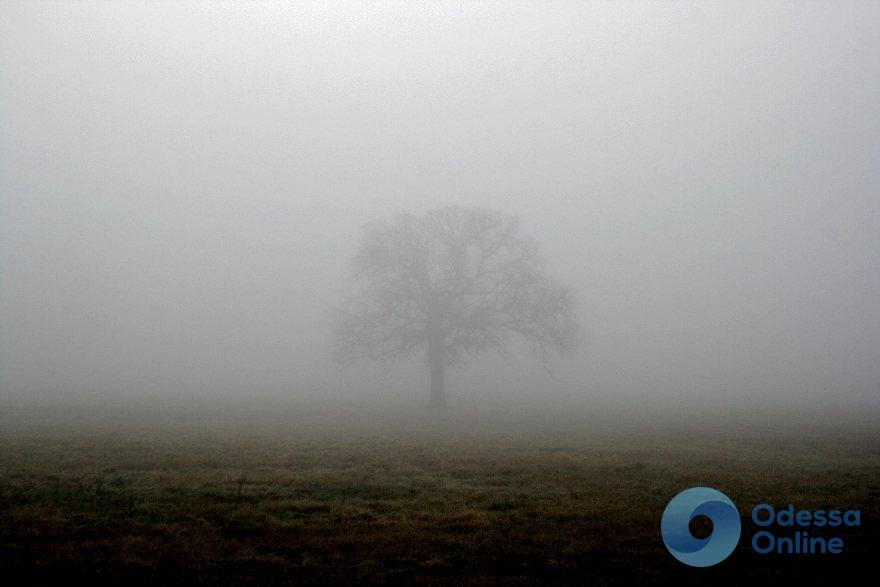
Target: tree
(452, 283)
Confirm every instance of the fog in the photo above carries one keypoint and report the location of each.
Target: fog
(183, 186)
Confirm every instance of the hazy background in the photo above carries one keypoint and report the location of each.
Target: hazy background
(182, 185)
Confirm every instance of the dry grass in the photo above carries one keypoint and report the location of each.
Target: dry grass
(336, 496)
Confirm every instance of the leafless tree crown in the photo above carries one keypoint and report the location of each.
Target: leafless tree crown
(463, 278)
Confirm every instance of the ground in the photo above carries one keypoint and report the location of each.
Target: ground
(355, 495)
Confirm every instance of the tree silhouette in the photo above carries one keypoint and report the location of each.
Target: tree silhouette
(451, 283)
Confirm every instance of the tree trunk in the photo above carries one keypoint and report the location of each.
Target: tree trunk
(437, 366)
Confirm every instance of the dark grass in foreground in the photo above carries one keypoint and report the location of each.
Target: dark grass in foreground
(326, 496)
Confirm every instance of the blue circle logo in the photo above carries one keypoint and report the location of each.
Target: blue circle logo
(700, 501)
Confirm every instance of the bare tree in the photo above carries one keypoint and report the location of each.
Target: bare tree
(452, 283)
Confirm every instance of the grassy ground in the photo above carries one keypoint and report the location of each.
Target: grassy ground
(347, 496)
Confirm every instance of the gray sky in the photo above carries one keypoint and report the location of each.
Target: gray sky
(181, 188)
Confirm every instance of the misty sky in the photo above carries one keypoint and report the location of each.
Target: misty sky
(182, 185)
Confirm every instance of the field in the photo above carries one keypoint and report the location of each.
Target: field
(358, 495)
